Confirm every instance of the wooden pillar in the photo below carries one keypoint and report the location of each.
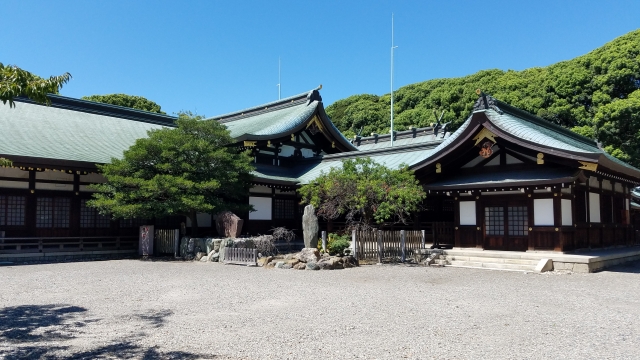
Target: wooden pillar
(456, 221)
(403, 245)
(531, 238)
(380, 246)
(30, 206)
(479, 220)
(557, 220)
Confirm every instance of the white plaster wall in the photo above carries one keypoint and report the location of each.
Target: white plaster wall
(262, 205)
(467, 213)
(14, 184)
(259, 189)
(567, 219)
(58, 187)
(606, 185)
(543, 212)
(13, 172)
(53, 175)
(594, 207)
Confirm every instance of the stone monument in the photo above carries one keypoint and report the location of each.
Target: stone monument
(229, 224)
(310, 227)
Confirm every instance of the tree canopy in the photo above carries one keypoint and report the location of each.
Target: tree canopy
(177, 171)
(591, 94)
(16, 82)
(365, 193)
(130, 101)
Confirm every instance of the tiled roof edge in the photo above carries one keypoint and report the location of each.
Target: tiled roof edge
(270, 106)
(92, 107)
(503, 106)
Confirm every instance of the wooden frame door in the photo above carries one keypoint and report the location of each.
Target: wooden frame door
(506, 226)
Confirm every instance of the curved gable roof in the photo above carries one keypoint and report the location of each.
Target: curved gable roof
(282, 118)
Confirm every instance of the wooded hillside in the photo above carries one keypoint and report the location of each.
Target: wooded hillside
(596, 95)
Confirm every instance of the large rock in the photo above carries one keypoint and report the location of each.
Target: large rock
(300, 266)
(228, 224)
(312, 266)
(308, 254)
(310, 227)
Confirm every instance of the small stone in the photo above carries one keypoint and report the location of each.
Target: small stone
(300, 266)
(204, 259)
(199, 255)
(264, 260)
(279, 264)
(308, 254)
(312, 266)
(292, 262)
(215, 257)
(286, 266)
(325, 264)
(289, 256)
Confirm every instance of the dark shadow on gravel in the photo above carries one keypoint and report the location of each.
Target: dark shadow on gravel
(632, 267)
(38, 323)
(27, 331)
(155, 318)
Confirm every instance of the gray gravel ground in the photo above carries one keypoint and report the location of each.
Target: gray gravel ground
(157, 310)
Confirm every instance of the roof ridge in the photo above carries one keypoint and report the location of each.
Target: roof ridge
(97, 108)
(278, 104)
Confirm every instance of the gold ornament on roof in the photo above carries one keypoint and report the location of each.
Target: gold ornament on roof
(485, 134)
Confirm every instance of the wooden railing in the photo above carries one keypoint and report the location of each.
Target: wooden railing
(392, 245)
(63, 244)
(167, 241)
(241, 256)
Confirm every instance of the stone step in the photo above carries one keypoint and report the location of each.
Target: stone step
(493, 266)
(500, 254)
(492, 260)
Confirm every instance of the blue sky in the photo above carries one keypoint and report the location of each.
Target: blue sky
(214, 57)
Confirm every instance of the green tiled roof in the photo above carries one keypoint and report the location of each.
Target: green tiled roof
(51, 132)
(280, 118)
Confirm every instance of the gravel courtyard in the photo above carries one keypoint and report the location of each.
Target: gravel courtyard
(190, 310)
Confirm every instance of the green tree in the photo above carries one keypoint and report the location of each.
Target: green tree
(618, 126)
(569, 93)
(130, 101)
(365, 192)
(16, 82)
(177, 171)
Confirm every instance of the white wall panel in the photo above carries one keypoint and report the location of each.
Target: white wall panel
(262, 205)
(567, 219)
(467, 212)
(543, 212)
(594, 207)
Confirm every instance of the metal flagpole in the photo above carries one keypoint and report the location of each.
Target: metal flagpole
(392, 48)
(278, 78)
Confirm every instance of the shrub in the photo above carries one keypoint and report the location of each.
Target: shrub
(337, 243)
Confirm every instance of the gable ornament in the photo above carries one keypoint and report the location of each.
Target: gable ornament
(486, 150)
(485, 134)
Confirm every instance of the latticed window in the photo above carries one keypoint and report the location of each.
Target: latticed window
(44, 212)
(518, 220)
(90, 218)
(53, 212)
(494, 220)
(61, 212)
(284, 208)
(3, 210)
(447, 206)
(15, 210)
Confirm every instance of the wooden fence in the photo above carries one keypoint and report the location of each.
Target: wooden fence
(389, 245)
(64, 244)
(167, 241)
(240, 256)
